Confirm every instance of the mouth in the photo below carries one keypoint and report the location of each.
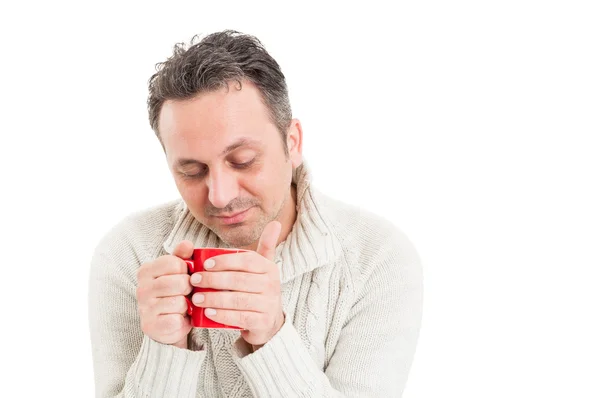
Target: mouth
(235, 218)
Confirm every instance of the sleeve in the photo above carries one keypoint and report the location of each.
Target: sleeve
(128, 363)
(375, 350)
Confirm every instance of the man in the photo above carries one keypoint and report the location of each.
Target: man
(329, 298)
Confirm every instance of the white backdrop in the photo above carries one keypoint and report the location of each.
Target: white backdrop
(472, 125)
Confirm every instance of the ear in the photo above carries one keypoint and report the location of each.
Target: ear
(294, 142)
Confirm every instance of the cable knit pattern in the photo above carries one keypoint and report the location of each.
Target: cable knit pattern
(351, 291)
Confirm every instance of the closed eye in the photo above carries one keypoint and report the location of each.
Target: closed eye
(191, 176)
(241, 166)
(201, 172)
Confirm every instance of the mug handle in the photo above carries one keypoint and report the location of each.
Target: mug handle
(190, 308)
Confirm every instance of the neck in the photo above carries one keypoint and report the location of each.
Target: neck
(288, 214)
(287, 218)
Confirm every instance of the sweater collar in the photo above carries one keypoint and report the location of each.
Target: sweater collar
(309, 245)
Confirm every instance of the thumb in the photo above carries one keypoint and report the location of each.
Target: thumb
(184, 249)
(268, 240)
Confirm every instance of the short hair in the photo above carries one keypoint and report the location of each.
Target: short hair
(212, 63)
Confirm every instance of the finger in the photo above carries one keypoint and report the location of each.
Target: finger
(244, 261)
(170, 305)
(244, 319)
(171, 285)
(184, 249)
(164, 265)
(240, 301)
(268, 240)
(236, 281)
(174, 325)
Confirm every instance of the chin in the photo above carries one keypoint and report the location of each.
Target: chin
(238, 235)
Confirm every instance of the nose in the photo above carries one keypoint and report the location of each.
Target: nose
(222, 188)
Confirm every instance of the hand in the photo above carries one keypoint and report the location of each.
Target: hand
(162, 287)
(253, 301)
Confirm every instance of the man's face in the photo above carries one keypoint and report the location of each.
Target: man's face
(228, 161)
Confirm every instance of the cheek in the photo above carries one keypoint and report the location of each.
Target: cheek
(261, 185)
(274, 184)
(193, 194)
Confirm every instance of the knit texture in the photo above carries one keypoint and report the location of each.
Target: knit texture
(351, 291)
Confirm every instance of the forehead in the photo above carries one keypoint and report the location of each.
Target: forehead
(209, 122)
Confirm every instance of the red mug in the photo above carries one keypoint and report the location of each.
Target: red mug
(196, 264)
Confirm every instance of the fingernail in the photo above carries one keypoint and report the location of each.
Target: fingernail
(196, 278)
(210, 311)
(198, 298)
(209, 263)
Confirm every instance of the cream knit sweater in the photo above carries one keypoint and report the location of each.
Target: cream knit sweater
(351, 290)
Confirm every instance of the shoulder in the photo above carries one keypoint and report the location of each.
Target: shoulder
(141, 233)
(359, 228)
(371, 243)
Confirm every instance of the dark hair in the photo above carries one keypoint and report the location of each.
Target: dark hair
(211, 64)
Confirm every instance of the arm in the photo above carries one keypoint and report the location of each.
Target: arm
(376, 345)
(128, 363)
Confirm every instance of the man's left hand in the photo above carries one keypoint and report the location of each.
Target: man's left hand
(250, 295)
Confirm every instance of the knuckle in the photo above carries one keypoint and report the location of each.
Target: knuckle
(243, 320)
(142, 309)
(240, 279)
(177, 265)
(141, 293)
(179, 304)
(182, 284)
(247, 320)
(160, 262)
(177, 322)
(159, 284)
(187, 286)
(170, 303)
(241, 301)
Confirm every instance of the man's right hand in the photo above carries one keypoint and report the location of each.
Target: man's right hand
(162, 287)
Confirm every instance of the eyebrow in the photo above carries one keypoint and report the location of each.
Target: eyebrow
(239, 143)
(230, 148)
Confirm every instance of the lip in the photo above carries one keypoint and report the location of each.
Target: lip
(235, 218)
